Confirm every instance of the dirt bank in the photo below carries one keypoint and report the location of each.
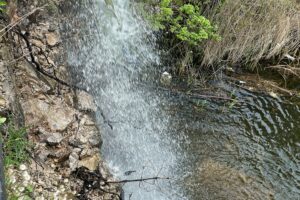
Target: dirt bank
(35, 89)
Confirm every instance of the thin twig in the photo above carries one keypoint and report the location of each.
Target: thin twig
(138, 180)
(12, 25)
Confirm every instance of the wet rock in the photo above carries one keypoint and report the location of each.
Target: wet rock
(219, 181)
(86, 102)
(166, 78)
(52, 39)
(55, 139)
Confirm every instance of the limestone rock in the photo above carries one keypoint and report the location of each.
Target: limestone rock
(23, 167)
(73, 161)
(52, 39)
(95, 141)
(86, 102)
(90, 163)
(55, 139)
(57, 116)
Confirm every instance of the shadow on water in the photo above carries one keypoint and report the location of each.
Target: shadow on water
(210, 150)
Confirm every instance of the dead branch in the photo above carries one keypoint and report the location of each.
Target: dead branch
(13, 24)
(38, 67)
(138, 180)
(286, 68)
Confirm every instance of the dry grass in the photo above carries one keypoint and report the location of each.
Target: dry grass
(253, 30)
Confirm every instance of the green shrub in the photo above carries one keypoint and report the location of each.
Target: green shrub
(185, 21)
(2, 5)
(15, 146)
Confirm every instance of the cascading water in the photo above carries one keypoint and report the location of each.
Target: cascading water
(210, 150)
(113, 65)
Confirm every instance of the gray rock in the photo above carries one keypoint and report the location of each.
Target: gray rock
(95, 141)
(86, 102)
(55, 139)
(90, 163)
(73, 161)
(57, 116)
(52, 39)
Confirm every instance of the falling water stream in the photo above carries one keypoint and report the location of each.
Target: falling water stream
(250, 150)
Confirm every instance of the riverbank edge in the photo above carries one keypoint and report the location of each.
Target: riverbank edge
(65, 155)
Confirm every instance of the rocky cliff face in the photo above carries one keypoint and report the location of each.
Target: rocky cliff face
(36, 88)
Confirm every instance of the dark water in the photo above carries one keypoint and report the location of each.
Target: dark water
(210, 149)
(250, 150)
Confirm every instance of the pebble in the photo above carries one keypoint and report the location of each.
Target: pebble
(26, 176)
(23, 167)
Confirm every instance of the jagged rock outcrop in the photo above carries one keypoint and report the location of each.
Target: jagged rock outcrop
(58, 116)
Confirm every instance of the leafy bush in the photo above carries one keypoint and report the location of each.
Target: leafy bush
(185, 21)
(2, 5)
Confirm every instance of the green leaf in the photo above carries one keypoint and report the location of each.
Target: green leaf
(2, 3)
(2, 120)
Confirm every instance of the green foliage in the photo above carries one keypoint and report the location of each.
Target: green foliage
(185, 21)
(14, 194)
(14, 147)
(2, 120)
(2, 5)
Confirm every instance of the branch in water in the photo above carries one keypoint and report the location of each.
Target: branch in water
(137, 180)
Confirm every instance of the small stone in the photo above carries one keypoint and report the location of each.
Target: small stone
(90, 163)
(23, 167)
(2, 102)
(273, 94)
(95, 141)
(55, 139)
(39, 44)
(52, 39)
(26, 176)
(62, 188)
(83, 139)
(43, 155)
(73, 161)
(86, 102)
(13, 179)
(21, 189)
(166, 78)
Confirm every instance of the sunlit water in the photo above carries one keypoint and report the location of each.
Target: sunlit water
(249, 150)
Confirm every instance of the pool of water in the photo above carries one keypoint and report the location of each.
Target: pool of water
(246, 151)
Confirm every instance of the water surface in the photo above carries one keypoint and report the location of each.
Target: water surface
(209, 149)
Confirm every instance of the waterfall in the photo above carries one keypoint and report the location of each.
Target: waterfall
(208, 148)
(115, 59)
